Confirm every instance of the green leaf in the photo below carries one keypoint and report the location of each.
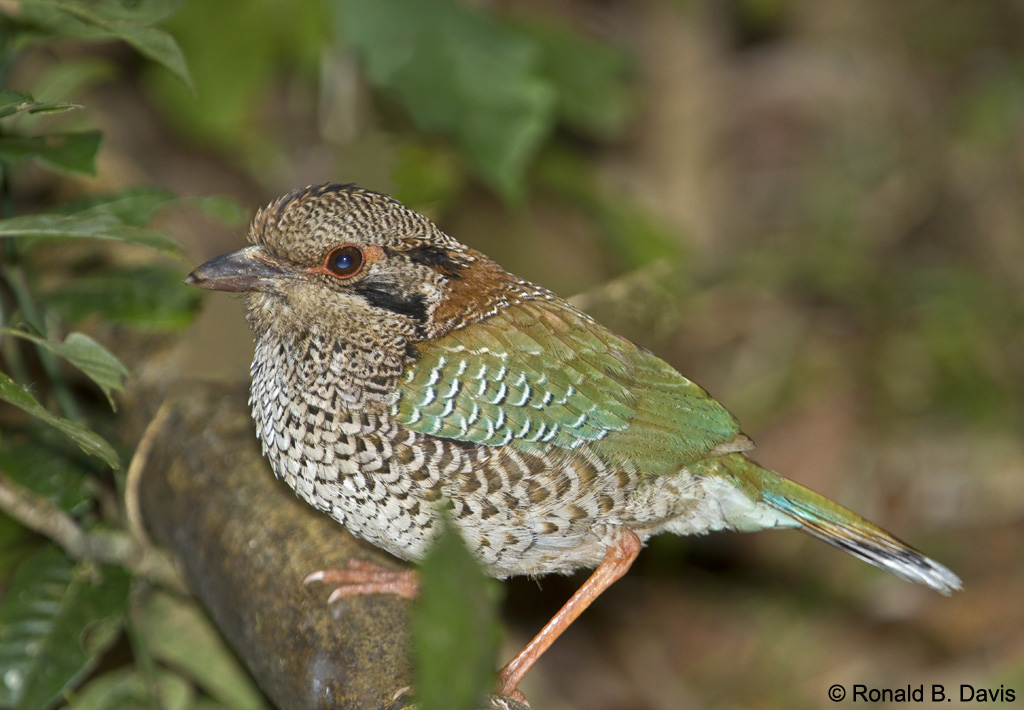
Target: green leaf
(149, 298)
(222, 208)
(457, 71)
(87, 355)
(591, 79)
(85, 226)
(134, 207)
(454, 628)
(263, 45)
(90, 442)
(12, 102)
(68, 78)
(44, 471)
(130, 689)
(113, 19)
(56, 620)
(15, 542)
(70, 152)
(181, 636)
(156, 44)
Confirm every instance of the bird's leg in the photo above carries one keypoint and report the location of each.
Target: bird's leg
(362, 577)
(617, 560)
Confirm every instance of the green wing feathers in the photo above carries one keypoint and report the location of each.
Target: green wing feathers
(510, 379)
(542, 372)
(675, 422)
(836, 525)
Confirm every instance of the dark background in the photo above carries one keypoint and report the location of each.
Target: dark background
(812, 208)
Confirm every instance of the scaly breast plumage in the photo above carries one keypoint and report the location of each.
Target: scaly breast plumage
(521, 509)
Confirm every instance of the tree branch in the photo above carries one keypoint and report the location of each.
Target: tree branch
(107, 546)
(246, 543)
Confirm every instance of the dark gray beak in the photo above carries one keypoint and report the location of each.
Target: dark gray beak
(248, 269)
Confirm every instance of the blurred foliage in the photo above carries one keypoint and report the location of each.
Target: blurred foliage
(57, 619)
(64, 610)
(484, 89)
(455, 629)
(180, 636)
(105, 20)
(494, 87)
(237, 49)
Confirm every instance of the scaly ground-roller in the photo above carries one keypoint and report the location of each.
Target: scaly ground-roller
(397, 369)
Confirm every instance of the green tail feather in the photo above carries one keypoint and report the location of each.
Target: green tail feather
(836, 525)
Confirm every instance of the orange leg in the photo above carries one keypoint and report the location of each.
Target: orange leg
(362, 577)
(617, 561)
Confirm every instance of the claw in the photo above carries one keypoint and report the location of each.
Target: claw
(361, 577)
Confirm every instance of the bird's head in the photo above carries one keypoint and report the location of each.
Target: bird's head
(351, 260)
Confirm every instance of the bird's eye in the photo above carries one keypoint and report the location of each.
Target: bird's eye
(345, 261)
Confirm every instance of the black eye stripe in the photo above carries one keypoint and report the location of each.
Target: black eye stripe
(412, 305)
(437, 258)
(345, 261)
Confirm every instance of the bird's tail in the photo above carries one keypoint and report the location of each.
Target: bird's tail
(836, 525)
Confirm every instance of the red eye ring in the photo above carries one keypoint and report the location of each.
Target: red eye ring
(345, 261)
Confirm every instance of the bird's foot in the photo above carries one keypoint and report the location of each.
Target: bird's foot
(617, 560)
(362, 577)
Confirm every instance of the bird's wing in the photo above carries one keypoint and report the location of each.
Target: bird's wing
(539, 373)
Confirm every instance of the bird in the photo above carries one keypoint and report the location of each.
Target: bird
(401, 378)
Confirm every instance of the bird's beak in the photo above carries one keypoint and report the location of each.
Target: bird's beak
(248, 269)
